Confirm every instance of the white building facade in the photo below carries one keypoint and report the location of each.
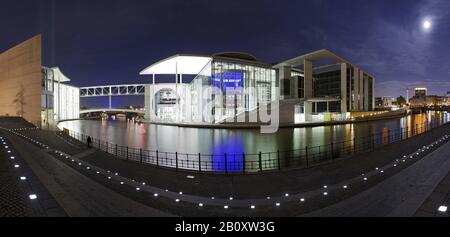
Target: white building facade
(60, 101)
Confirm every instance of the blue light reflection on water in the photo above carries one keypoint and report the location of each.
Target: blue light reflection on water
(233, 161)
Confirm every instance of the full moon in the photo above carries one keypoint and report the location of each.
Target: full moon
(427, 24)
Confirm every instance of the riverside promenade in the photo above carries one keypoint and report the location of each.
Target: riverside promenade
(22, 194)
(88, 182)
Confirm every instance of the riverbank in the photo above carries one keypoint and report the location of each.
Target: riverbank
(387, 116)
(391, 115)
(181, 192)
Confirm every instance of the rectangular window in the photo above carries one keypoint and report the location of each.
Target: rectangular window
(286, 87)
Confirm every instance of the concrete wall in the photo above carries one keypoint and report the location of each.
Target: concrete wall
(309, 86)
(20, 81)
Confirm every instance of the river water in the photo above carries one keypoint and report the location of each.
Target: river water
(233, 141)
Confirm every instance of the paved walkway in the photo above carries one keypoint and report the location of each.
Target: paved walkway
(18, 182)
(439, 197)
(399, 196)
(78, 195)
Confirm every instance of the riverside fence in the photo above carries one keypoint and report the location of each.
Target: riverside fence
(262, 161)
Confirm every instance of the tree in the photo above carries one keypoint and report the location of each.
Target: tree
(20, 101)
(401, 101)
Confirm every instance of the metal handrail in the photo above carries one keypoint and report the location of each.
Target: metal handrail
(262, 161)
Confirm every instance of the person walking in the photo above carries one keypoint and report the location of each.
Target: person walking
(89, 141)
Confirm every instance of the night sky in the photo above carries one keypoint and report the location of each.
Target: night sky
(100, 42)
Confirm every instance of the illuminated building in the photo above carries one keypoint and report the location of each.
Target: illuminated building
(59, 100)
(229, 87)
(421, 92)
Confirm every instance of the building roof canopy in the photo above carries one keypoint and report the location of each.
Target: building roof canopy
(178, 64)
(314, 56)
(59, 75)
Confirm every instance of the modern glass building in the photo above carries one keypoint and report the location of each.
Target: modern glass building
(227, 86)
(325, 87)
(59, 100)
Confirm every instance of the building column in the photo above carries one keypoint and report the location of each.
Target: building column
(177, 106)
(308, 70)
(367, 100)
(308, 111)
(344, 91)
(356, 90)
(149, 111)
(361, 91)
(373, 94)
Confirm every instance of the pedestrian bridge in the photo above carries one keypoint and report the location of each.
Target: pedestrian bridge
(130, 111)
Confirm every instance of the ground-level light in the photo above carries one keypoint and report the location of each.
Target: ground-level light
(442, 209)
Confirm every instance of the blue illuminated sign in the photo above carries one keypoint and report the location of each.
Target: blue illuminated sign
(229, 80)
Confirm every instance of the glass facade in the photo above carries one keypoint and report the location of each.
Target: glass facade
(59, 101)
(47, 99)
(234, 88)
(327, 84)
(67, 102)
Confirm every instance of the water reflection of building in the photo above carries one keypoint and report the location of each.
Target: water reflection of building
(319, 86)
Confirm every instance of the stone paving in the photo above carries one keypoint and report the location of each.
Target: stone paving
(402, 194)
(440, 198)
(77, 195)
(17, 183)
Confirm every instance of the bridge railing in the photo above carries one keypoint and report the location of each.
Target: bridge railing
(262, 161)
(112, 90)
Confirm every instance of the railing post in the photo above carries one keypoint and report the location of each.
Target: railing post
(279, 162)
(307, 158)
(140, 155)
(200, 162)
(127, 153)
(243, 162)
(226, 163)
(107, 147)
(116, 151)
(260, 162)
(176, 160)
(157, 158)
